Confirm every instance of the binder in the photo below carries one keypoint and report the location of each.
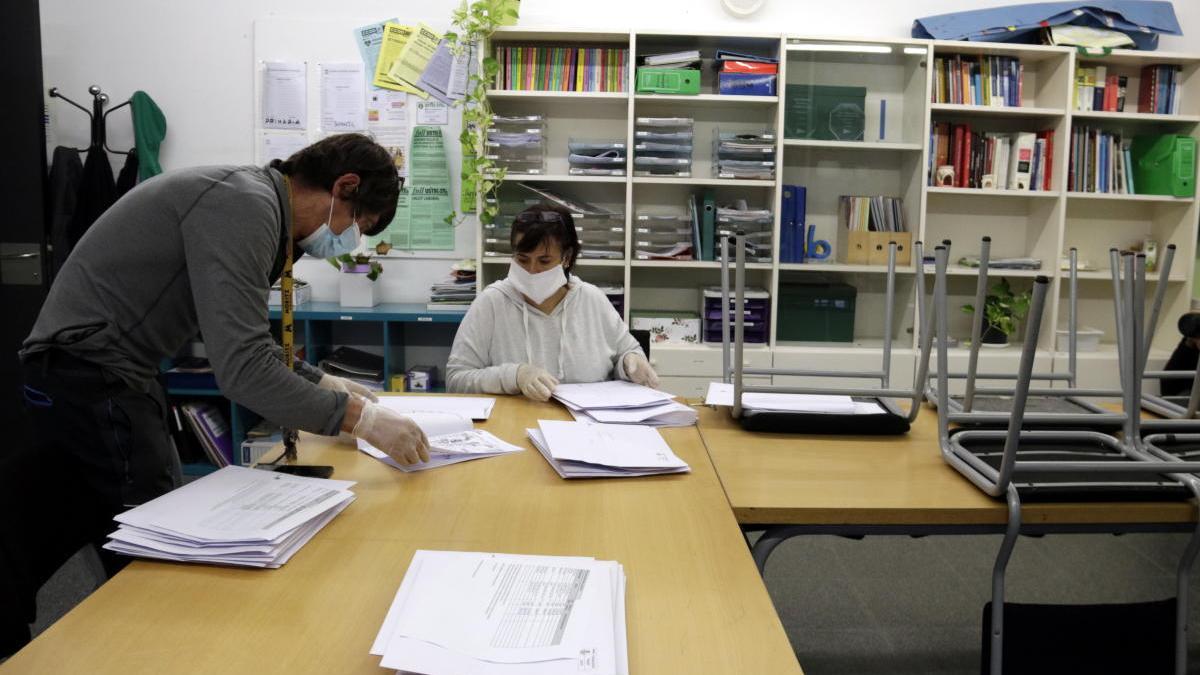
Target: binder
(787, 225)
(799, 237)
(1019, 171)
(708, 219)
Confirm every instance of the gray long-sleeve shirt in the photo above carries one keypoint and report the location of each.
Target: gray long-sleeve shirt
(187, 251)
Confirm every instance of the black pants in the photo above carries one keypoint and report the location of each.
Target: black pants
(99, 447)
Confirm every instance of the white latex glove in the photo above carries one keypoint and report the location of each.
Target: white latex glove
(335, 383)
(393, 433)
(535, 382)
(639, 371)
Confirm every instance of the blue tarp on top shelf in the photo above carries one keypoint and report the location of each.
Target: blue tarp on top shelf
(1142, 20)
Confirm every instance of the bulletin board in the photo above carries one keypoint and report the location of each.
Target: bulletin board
(325, 41)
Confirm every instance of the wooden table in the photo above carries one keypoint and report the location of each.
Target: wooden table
(792, 485)
(695, 603)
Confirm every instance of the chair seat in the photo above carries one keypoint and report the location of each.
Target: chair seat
(1041, 486)
(888, 423)
(1033, 404)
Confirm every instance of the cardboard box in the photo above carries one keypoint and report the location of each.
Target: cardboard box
(878, 253)
(668, 327)
(854, 247)
(420, 378)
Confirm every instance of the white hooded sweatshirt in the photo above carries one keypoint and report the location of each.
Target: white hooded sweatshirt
(582, 340)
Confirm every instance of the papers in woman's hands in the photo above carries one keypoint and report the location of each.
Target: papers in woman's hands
(621, 402)
(720, 393)
(586, 450)
(452, 439)
(486, 613)
(233, 516)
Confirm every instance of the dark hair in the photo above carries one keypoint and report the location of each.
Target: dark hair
(533, 226)
(320, 164)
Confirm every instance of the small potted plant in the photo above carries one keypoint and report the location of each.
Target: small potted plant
(356, 284)
(1002, 309)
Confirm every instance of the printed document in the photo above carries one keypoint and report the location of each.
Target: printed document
(284, 96)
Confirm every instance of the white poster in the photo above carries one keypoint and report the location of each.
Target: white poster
(280, 145)
(432, 112)
(342, 103)
(284, 96)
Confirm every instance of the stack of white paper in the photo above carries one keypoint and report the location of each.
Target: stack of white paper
(502, 614)
(587, 450)
(452, 439)
(621, 402)
(233, 516)
(470, 407)
(720, 393)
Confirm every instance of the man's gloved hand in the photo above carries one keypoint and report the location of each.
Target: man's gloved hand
(639, 371)
(393, 433)
(535, 382)
(335, 383)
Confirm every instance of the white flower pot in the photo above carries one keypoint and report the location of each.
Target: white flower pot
(356, 290)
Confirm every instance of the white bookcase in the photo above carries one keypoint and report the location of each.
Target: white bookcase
(1042, 224)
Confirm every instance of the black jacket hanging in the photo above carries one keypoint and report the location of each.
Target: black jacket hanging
(97, 192)
(66, 178)
(129, 174)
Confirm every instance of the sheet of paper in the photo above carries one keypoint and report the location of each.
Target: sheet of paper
(670, 413)
(387, 108)
(433, 112)
(609, 394)
(238, 504)
(569, 469)
(420, 222)
(395, 36)
(370, 39)
(343, 107)
(470, 407)
(279, 145)
(414, 55)
(620, 445)
(445, 77)
(284, 95)
(484, 613)
(448, 449)
(720, 393)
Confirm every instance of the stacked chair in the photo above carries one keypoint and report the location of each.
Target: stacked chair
(892, 420)
(1023, 462)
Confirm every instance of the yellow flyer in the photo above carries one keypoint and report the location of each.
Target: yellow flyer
(414, 55)
(395, 36)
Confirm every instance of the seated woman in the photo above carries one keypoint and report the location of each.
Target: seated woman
(541, 326)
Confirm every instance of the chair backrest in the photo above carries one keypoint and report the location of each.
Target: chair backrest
(643, 339)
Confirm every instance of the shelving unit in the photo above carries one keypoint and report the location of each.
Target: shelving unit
(1041, 224)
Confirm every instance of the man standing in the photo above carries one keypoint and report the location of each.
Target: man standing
(189, 251)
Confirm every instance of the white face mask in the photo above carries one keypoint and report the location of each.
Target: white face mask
(536, 287)
(323, 243)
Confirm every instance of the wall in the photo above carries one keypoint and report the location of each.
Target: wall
(196, 60)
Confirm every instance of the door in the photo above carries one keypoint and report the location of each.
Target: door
(22, 227)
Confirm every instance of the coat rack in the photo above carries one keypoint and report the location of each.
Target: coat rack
(98, 116)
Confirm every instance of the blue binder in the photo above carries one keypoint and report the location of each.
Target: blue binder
(787, 225)
(799, 205)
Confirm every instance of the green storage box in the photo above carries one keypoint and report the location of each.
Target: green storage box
(1164, 165)
(651, 80)
(816, 312)
(824, 112)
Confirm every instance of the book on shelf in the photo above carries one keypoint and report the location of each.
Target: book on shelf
(1158, 90)
(210, 427)
(561, 68)
(1097, 89)
(1100, 162)
(993, 81)
(965, 158)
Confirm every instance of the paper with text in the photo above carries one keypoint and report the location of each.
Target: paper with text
(284, 95)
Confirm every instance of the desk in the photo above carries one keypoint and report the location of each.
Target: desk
(695, 603)
(857, 485)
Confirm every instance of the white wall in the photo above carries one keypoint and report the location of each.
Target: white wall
(196, 60)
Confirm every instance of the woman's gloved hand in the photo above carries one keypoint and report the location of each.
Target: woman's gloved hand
(639, 371)
(535, 383)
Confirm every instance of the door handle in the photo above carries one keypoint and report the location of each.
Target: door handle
(19, 256)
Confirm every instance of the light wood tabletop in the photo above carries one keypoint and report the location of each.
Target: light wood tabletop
(783, 479)
(695, 602)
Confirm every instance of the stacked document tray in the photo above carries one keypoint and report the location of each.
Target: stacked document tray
(749, 155)
(757, 310)
(601, 231)
(756, 224)
(663, 146)
(518, 143)
(664, 236)
(589, 157)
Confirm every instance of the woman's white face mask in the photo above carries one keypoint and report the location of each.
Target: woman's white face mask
(536, 287)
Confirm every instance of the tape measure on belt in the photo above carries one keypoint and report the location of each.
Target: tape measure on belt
(288, 323)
